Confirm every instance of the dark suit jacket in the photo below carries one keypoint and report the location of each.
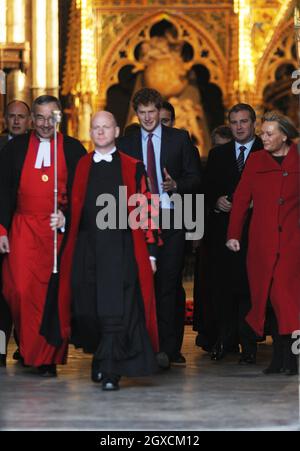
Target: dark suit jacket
(178, 156)
(3, 140)
(221, 179)
(221, 174)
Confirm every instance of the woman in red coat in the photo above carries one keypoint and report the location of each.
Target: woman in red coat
(270, 183)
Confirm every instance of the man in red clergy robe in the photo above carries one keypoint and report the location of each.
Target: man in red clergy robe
(107, 271)
(26, 202)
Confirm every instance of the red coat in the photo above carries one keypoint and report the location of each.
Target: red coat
(128, 166)
(273, 260)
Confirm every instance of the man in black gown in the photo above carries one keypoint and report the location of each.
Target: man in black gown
(111, 305)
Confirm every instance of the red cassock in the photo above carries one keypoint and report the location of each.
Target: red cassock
(28, 266)
(273, 260)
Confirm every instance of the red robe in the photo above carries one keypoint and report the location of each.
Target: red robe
(128, 166)
(273, 259)
(27, 268)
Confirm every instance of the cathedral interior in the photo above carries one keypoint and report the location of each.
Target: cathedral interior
(202, 56)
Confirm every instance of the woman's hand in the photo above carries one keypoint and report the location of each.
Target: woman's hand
(233, 245)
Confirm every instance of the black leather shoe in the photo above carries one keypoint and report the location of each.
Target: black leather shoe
(247, 359)
(2, 360)
(110, 382)
(291, 372)
(96, 374)
(163, 360)
(273, 370)
(178, 360)
(218, 352)
(17, 355)
(47, 371)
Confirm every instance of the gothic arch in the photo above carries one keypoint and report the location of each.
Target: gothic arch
(278, 52)
(121, 51)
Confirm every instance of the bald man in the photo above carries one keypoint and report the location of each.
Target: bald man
(107, 272)
(17, 120)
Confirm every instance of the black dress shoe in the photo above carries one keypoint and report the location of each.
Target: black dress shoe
(47, 371)
(2, 360)
(218, 352)
(273, 370)
(163, 360)
(291, 372)
(247, 359)
(178, 360)
(96, 374)
(110, 382)
(17, 355)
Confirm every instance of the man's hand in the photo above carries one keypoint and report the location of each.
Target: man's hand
(233, 245)
(4, 244)
(169, 184)
(153, 265)
(57, 221)
(223, 204)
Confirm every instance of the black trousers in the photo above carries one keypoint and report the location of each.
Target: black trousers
(229, 292)
(204, 320)
(170, 305)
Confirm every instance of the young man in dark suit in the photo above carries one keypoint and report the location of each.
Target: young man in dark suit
(173, 167)
(227, 273)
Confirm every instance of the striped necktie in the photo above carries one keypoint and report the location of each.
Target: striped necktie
(241, 158)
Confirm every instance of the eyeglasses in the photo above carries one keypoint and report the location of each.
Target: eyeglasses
(42, 119)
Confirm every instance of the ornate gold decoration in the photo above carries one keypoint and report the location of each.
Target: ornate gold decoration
(246, 65)
(279, 51)
(121, 51)
(297, 30)
(234, 40)
(14, 56)
(45, 178)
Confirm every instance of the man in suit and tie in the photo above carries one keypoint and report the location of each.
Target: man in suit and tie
(227, 273)
(172, 167)
(18, 121)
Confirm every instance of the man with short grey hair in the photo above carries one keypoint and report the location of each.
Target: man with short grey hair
(26, 202)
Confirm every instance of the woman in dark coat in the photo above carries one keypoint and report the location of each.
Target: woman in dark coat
(271, 182)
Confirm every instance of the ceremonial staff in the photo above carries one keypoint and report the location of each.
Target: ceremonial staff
(56, 117)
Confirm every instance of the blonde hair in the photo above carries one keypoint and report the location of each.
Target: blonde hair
(286, 126)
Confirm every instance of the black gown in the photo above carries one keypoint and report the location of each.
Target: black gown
(107, 306)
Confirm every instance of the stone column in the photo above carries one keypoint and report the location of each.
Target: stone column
(16, 34)
(39, 47)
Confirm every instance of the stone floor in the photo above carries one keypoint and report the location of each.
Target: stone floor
(204, 396)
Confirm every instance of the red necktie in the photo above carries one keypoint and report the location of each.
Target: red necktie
(151, 166)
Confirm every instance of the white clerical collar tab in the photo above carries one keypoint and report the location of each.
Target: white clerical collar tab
(102, 157)
(43, 155)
